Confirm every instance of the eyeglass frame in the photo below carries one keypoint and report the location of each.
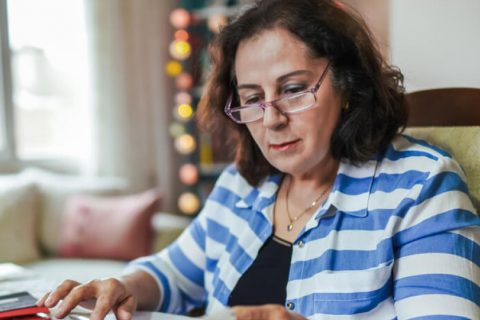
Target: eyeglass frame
(264, 105)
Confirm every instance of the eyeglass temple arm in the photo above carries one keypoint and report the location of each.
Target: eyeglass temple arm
(319, 82)
(228, 104)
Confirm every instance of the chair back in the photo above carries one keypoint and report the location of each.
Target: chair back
(450, 119)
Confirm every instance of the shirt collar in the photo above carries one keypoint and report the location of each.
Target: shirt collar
(262, 196)
(343, 196)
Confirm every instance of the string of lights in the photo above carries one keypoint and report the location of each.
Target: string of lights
(194, 148)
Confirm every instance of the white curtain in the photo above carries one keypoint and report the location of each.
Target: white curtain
(131, 97)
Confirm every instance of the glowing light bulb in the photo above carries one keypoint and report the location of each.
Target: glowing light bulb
(183, 97)
(181, 35)
(176, 129)
(180, 18)
(185, 111)
(184, 81)
(188, 174)
(173, 68)
(188, 203)
(180, 49)
(185, 144)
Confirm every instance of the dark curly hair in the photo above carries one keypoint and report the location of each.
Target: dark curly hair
(373, 89)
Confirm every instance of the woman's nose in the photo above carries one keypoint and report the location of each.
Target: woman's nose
(274, 118)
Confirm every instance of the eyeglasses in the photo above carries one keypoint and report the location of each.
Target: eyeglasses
(292, 103)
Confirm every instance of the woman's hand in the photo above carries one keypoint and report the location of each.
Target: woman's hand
(265, 312)
(110, 294)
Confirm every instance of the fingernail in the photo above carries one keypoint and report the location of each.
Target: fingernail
(59, 313)
(48, 301)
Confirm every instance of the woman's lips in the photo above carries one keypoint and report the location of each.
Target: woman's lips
(284, 146)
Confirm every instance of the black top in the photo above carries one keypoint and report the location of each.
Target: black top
(266, 279)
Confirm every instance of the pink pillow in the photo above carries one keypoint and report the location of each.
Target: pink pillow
(108, 227)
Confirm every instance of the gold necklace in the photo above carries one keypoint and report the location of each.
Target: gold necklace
(312, 205)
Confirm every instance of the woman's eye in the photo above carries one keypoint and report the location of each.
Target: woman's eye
(293, 89)
(251, 100)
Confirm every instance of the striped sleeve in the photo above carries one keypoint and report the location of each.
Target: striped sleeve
(179, 270)
(437, 253)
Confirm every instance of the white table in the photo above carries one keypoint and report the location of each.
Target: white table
(14, 278)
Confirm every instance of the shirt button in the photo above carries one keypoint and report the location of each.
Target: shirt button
(300, 244)
(290, 306)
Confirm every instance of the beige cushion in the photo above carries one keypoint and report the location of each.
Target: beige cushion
(54, 189)
(464, 144)
(18, 202)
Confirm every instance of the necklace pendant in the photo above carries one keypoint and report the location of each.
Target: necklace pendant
(289, 227)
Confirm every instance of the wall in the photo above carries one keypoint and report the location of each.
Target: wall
(376, 15)
(436, 43)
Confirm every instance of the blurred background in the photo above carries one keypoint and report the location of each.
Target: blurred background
(109, 88)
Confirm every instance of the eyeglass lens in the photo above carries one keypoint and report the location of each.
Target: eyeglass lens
(289, 104)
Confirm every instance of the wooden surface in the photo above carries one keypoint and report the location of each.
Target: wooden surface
(444, 107)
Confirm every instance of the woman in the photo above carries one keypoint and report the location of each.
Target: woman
(327, 211)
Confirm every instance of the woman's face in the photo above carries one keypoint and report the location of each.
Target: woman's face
(271, 65)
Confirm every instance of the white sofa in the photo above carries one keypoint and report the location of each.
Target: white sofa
(32, 204)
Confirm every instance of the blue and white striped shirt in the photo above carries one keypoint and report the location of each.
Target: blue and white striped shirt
(397, 238)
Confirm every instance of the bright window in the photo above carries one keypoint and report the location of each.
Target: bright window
(49, 68)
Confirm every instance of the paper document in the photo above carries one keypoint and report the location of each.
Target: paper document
(152, 316)
(222, 315)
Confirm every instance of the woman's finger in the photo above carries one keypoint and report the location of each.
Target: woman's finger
(74, 297)
(41, 302)
(102, 307)
(125, 309)
(110, 294)
(106, 294)
(60, 292)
